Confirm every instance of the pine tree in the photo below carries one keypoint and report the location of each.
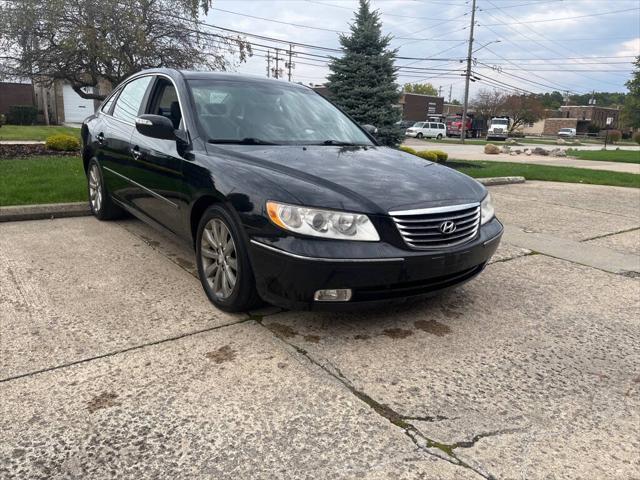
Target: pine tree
(363, 80)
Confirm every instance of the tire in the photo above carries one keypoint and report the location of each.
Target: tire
(419, 135)
(439, 137)
(224, 268)
(100, 202)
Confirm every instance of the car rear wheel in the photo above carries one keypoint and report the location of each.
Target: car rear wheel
(439, 137)
(419, 135)
(223, 262)
(100, 201)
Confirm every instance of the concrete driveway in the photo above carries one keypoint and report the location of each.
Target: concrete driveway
(476, 152)
(114, 365)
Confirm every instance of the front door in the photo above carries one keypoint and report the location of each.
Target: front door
(156, 165)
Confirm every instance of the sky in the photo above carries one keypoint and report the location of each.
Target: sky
(520, 45)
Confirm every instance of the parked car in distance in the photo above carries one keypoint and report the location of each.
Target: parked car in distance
(427, 130)
(404, 124)
(567, 132)
(281, 195)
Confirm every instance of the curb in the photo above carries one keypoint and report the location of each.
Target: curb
(44, 211)
(491, 181)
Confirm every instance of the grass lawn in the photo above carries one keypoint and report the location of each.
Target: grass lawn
(34, 132)
(480, 141)
(25, 181)
(625, 156)
(480, 169)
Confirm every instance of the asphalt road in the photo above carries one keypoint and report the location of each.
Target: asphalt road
(476, 152)
(114, 365)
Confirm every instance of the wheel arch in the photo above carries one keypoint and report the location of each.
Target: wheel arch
(197, 210)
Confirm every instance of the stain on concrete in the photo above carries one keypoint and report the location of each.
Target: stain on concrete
(361, 337)
(397, 333)
(284, 331)
(222, 355)
(150, 242)
(312, 338)
(104, 400)
(282, 365)
(186, 264)
(433, 327)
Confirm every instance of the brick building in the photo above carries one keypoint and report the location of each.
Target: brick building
(14, 93)
(417, 107)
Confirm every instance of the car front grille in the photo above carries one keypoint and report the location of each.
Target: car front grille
(440, 227)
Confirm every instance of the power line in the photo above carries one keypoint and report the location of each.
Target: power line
(599, 14)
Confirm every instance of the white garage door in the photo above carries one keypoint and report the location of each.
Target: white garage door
(76, 108)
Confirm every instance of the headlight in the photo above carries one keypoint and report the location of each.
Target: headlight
(322, 223)
(486, 210)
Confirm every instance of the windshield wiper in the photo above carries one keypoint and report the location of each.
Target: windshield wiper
(243, 141)
(341, 144)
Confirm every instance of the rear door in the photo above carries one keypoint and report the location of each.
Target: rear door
(116, 135)
(156, 164)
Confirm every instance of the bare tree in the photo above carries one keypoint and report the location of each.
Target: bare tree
(488, 103)
(522, 109)
(86, 41)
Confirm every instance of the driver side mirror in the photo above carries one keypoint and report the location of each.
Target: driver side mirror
(370, 129)
(155, 126)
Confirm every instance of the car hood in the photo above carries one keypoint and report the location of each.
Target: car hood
(371, 179)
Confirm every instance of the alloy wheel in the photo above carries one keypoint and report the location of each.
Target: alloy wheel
(219, 258)
(95, 189)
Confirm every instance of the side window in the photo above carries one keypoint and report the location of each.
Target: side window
(165, 102)
(128, 103)
(106, 108)
(441, 126)
(433, 125)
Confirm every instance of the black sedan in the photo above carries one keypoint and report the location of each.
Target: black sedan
(282, 195)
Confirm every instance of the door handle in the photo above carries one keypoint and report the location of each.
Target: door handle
(135, 151)
(100, 138)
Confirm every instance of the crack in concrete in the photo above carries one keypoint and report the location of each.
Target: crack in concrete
(480, 436)
(429, 418)
(605, 235)
(257, 319)
(425, 444)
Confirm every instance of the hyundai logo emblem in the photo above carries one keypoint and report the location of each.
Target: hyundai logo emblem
(448, 227)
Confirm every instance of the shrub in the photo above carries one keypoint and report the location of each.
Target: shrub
(441, 156)
(3, 119)
(62, 143)
(636, 137)
(407, 149)
(427, 155)
(517, 134)
(22, 115)
(593, 128)
(615, 136)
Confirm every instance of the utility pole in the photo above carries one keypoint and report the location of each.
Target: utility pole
(463, 126)
(450, 90)
(276, 73)
(440, 91)
(289, 64)
(268, 63)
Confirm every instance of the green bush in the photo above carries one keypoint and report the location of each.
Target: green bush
(427, 155)
(22, 115)
(441, 156)
(636, 137)
(407, 149)
(615, 136)
(62, 143)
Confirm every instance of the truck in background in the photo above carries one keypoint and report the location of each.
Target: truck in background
(473, 129)
(498, 128)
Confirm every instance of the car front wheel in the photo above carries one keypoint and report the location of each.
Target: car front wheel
(223, 262)
(419, 135)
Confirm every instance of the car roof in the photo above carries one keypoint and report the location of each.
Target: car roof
(226, 76)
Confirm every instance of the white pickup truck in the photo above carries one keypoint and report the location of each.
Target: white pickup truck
(498, 128)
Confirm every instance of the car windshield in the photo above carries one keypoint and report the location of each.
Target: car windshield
(498, 122)
(565, 129)
(269, 113)
(418, 124)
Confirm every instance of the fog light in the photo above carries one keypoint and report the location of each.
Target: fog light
(333, 295)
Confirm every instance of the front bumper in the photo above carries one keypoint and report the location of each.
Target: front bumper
(411, 134)
(290, 279)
